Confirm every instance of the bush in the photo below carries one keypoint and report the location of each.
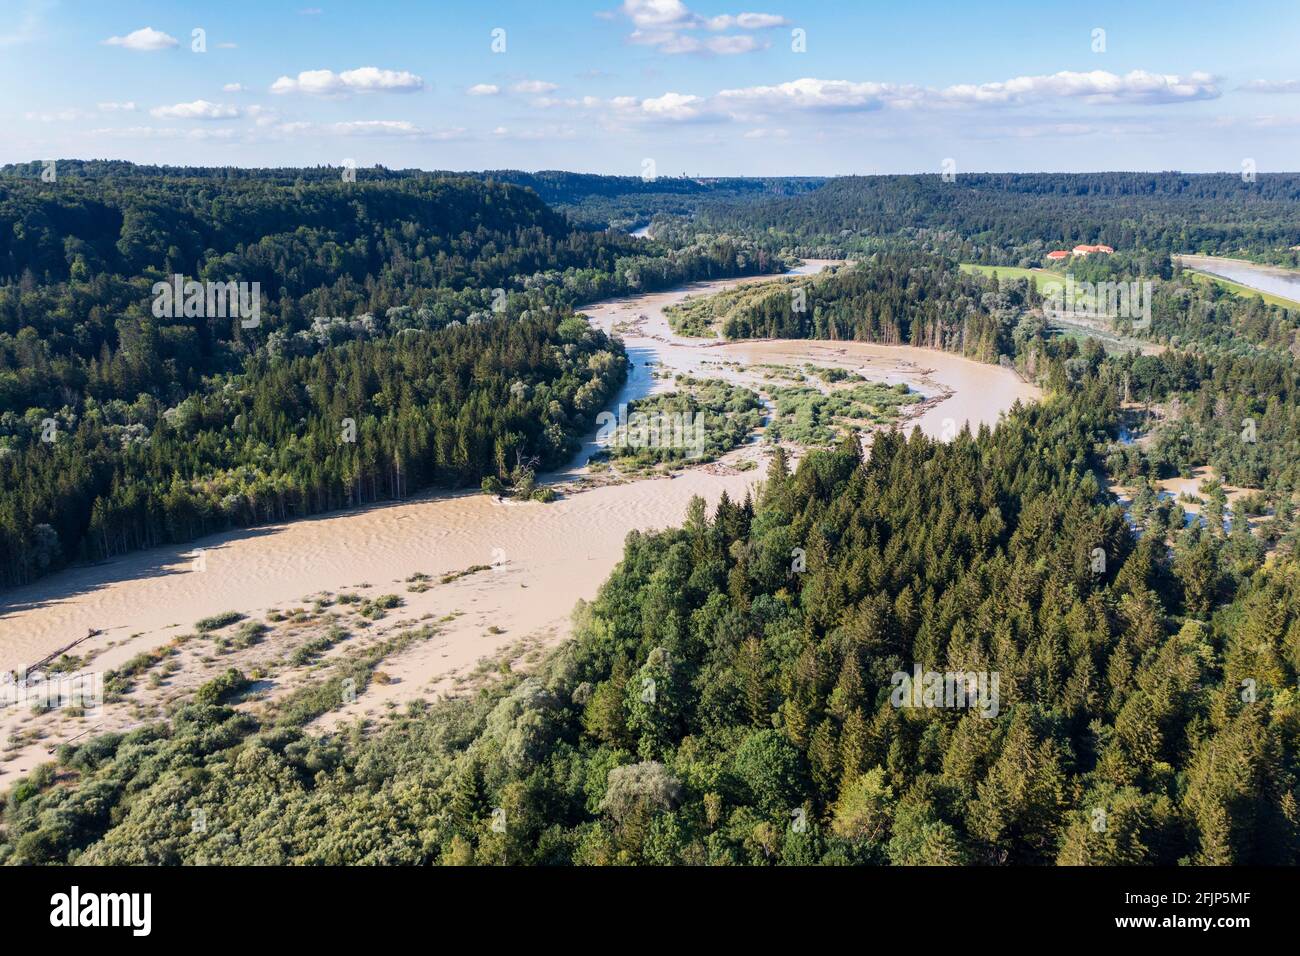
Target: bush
(218, 621)
(221, 688)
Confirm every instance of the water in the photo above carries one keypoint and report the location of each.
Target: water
(1270, 279)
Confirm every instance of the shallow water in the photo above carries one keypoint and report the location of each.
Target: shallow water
(545, 556)
(1270, 279)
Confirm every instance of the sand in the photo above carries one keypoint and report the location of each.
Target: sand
(544, 557)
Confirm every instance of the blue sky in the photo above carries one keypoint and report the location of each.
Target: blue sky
(696, 86)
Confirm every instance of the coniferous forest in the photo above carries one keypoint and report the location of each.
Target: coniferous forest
(1119, 695)
(730, 696)
(414, 331)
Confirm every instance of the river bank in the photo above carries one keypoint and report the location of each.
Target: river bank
(540, 559)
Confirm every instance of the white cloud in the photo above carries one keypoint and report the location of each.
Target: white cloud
(199, 109)
(377, 128)
(810, 94)
(746, 21)
(1272, 86)
(127, 107)
(656, 13)
(1098, 86)
(535, 135)
(760, 105)
(233, 88)
(533, 86)
(145, 39)
(674, 106)
(483, 89)
(366, 79)
(388, 128)
(668, 25)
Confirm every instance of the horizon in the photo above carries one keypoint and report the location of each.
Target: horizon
(623, 175)
(673, 87)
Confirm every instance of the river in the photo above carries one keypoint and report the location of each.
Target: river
(544, 557)
(1270, 279)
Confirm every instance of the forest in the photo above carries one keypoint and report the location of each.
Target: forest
(730, 696)
(770, 735)
(901, 297)
(1016, 218)
(1226, 359)
(121, 430)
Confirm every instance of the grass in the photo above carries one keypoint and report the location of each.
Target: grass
(1040, 276)
(309, 651)
(661, 429)
(810, 417)
(702, 316)
(1244, 291)
(1043, 276)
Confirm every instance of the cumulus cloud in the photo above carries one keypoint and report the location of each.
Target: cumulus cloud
(811, 96)
(746, 21)
(233, 88)
(671, 27)
(483, 89)
(199, 109)
(146, 39)
(674, 106)
(1098, 86)
(366, 79)
(127, 107)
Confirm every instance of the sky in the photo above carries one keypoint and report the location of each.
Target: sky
(657, 87)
